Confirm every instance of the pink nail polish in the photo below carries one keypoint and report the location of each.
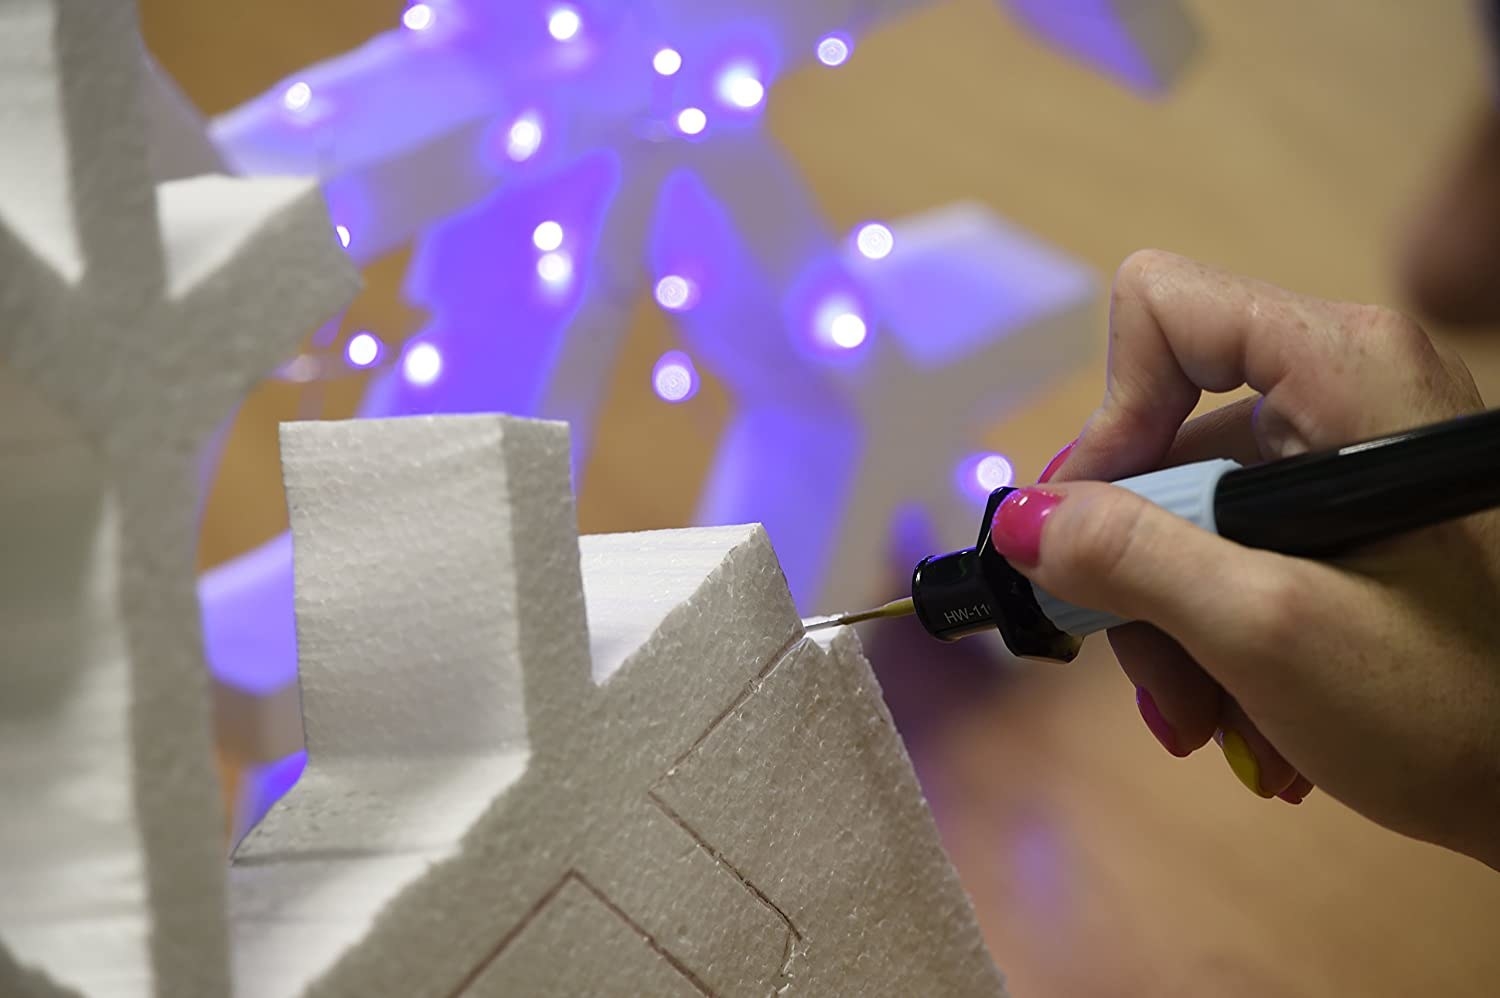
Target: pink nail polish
(1016, 531)
(1057, 462)
(1157, 724)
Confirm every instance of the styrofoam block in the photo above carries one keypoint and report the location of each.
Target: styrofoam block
(128, 330)
(1145, 44)
(636, 844)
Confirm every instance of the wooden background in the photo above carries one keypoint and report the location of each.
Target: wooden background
(1099, 866)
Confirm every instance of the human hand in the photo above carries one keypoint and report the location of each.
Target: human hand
(1376, 677)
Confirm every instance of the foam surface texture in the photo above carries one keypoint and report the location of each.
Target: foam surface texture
(134, 315)
(696, 799)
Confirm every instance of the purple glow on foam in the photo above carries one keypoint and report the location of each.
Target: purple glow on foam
(249, 629)
(834, 50)
(980, 474)
(417, 17)
(363, 350)
(691, 121)
(264, 786)
(875, 241)
(738, 329)
(674, 377)
(479, 285)
(564, 23)
(667, 62)
(423, 364)
(675, 293)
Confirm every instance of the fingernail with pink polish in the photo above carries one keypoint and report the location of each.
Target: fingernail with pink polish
(1057, 462)
(1016, 531)
(1158, 725)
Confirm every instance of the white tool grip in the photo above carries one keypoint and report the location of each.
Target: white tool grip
(1188, 491)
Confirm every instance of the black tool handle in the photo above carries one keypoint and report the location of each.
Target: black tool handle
(1325, 504)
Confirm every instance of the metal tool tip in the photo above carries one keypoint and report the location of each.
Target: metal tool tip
(895, 608)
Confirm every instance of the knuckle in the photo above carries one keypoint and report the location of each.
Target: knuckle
(1276, 609)
(1139, 276)
(1393, 331)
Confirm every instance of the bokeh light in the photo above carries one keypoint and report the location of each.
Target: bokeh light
(555, 269)
(833, 50)
(363, 349)
(875, 241)
(667, 62)
(691, 121)
(740, 87)
(847, 330)
(417, 17)
(674, 379)
(423, 364)
(980, 474)
(524, 138)
(674, 293)
(547, 236)
(297, 97)
(564, 23)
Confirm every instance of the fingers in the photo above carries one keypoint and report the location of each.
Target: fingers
(1228, 431)
(1103, 547)
(1183, 708)
(1178, 328)
(1252, 757)
(1176, 698)
(1329, 372)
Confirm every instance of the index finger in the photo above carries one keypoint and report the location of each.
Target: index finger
(1178, 328)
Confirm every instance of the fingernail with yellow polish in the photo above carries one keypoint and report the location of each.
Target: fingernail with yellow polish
(1237, 753)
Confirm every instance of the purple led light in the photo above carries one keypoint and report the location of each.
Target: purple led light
(839, 324)
(564, 23)
(423, 364)
(875, 241)
(980, 474)
(691, 121)
(675, 293)
(363, 350)
(524, 137)
(833, 50)
(417, 17)
(667, 62)
(739, 86)
(342, 231)
(297, 96)
(547, 236)
(674, 379)
(555, 269)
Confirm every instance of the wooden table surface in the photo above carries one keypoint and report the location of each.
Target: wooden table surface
(1098, 865)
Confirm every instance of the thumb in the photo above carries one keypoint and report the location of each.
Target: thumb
(1105, 548)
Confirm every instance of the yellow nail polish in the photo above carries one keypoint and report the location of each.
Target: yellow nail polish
(1237, 753)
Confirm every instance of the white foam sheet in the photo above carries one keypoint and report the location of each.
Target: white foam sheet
(706, 801)
(111, 374)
